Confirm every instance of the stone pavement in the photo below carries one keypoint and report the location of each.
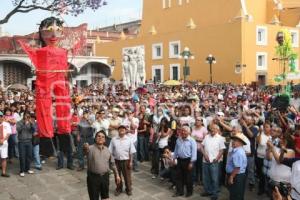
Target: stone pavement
(51, 184)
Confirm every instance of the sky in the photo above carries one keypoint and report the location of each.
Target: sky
(116, 11)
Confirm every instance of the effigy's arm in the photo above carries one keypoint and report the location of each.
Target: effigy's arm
(31, 52)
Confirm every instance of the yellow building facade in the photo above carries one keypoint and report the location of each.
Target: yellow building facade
(240, 34)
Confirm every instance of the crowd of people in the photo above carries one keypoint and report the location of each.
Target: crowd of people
(212, 135)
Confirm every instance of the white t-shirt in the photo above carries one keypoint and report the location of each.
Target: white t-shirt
(101, 125)
(187, 120)
(279, 172)
(163, 142)
(6, 130)
(262, 146)
(212, 146)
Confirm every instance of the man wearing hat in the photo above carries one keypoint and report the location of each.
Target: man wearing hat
(122, 149)
(236, 168)
(5, 131)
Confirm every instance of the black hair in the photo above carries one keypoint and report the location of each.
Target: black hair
(99, 132)
(46, 23)
(166, 147)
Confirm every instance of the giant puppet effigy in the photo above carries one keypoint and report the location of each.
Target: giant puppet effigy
(286, 58)
(52, 86)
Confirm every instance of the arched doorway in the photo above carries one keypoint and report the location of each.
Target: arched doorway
(92, 73)
(14, 72)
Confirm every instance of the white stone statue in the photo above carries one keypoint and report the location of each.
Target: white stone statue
(126, 71)
(141, 71)
(133, 69)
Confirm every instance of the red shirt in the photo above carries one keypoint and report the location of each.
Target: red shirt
(75, 120)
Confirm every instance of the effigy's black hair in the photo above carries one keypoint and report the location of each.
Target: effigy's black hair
(46, 23)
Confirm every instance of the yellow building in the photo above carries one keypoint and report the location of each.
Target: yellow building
(238, 33)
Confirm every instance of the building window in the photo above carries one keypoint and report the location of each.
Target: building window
(295, 38)
(158, 73)
(175, 71)
(261, 35)
(261, 61)
(174, 49)
(166, 3)
(157, 51)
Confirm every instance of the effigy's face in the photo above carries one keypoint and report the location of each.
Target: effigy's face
(52, 34)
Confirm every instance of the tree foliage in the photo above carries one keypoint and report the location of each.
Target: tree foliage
(68, 7)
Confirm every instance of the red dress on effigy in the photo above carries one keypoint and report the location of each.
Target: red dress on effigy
(52, 89)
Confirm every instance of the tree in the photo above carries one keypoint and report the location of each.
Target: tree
(72, 7)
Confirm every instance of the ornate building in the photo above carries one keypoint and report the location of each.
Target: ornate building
(240, 34)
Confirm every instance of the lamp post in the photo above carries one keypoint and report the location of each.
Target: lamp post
(186, 55)
(210, 60)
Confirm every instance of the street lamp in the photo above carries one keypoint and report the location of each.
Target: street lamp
(210, 60)
(186, 55)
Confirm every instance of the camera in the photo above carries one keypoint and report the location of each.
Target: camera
(283, 188)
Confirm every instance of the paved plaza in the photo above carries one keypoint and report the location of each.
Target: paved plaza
(51, 184)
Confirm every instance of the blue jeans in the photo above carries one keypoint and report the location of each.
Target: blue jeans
(141, 147)
(25, 151)
(250, 170)
(134, 159)
(197, 169)
(90, 141)
(36, 156)
(211, 178)
(13, 150)
(60, 158)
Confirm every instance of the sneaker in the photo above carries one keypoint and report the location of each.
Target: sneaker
(43, 161)
(22, 174)
(30, 172)
(39, 168)
(153, 177)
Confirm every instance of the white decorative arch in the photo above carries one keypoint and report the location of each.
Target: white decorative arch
(20, 60)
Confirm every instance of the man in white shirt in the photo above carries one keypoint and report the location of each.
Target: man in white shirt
(122, 148)
(101, 123)
(5, 131)
(212, 148)
(132, 123)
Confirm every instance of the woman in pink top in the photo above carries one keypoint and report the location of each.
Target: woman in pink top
(198, 133)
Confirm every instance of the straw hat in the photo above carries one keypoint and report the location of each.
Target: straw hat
(240, 137)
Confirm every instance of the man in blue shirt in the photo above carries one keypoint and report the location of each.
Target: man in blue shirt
(186, 153)
(236, 167)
